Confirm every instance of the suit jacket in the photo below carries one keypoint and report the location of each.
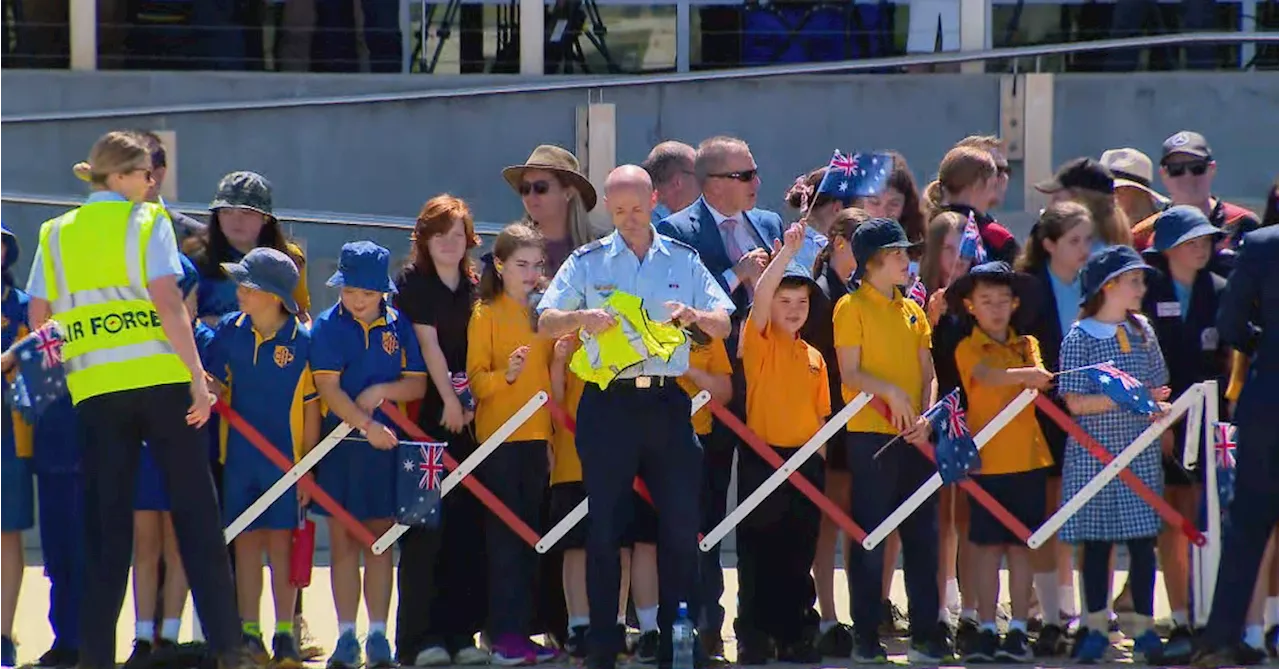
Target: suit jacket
(694, 225)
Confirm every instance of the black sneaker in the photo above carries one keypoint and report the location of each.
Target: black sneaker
(1247, 656)
(1052, 642)
(869, 652)
(1273, 640)
(1180, 646)
(1035, 625)
(754, 648)
(713, 648)
(1016, 647)
(140, 658)
(836, 641)
(647, 648)
(966, 637)
(893, 622)
(59, 658)
(932, 649)
(983, 648)
(800, 652)
(576, 642)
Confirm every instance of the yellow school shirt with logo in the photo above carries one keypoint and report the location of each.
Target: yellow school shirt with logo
(890, 333)
(496, 329)
(1020, 446)
(565, 465)
(788, 394)
(713, 359)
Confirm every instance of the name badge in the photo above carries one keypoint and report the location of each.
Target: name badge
(1209, 339)
(1169, 309)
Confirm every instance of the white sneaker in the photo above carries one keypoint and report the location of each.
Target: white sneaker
(471, 656)
(434, 656)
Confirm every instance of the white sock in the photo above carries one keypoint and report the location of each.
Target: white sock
(169, 629)
(578, 621)
(346, 628)
(969, 614)
(622, 619)
(1271, 612)
(825, 626)
(1253, 637)
(1179, 618)
(144, 630)
(944, 615)
(1047, 592)
(379, 627)
(1020, 625)
(1067, 600)
(953, 594)
(648, 619)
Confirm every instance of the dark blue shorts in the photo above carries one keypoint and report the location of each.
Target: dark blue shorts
(1023, 494)
(242, 486)
(150, 493)
(17, 495)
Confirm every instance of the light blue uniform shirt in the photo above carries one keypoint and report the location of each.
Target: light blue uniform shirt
(162, 250)
(1184, 299)
(669, 272)
(1067, 297)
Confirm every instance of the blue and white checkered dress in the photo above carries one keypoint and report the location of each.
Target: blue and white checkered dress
(1116, 513)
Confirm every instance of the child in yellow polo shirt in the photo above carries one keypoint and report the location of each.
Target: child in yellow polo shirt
(787, 401)
(995, 365)
(882, 342)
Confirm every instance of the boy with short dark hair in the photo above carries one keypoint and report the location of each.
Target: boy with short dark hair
(995, 365)
(787, 401)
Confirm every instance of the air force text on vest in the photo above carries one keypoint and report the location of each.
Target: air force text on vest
(113, 323)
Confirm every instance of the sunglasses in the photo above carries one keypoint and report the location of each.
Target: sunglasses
(745, 176)
(539, 187)
(1197, 168)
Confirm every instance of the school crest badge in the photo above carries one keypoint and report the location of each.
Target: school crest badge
(390, 344)
(282, 356)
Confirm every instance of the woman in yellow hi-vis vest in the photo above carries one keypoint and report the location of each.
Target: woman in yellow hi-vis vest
(107, 272)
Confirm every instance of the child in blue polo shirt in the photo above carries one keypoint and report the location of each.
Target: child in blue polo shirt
(363, 353)
(159, 581)
(16, 491)
(260, 354)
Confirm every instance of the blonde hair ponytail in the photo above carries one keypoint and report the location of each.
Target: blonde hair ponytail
(117, 152)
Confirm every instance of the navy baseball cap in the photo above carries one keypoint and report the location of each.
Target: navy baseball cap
(1023, 285)
(876, 234)
(1182, 223)
(364, 265)
(190, 277)
(268, 270)
(1106, 264)
(1082, 173)
(10, 242)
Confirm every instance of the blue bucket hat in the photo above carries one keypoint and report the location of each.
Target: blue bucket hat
(268, 270)
(190, 277)
(795, 270)
(1182, 223)
(10, 242)
(876, 234)
(364, 265)
(1106, 264)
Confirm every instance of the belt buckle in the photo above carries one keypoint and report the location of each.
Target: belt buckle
(643, 382)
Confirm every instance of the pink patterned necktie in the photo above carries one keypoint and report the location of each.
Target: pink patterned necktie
(734, 249)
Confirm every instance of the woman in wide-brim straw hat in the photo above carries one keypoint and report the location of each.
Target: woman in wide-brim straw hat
(556, 197)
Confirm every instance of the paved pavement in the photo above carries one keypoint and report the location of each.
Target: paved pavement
(34, 636)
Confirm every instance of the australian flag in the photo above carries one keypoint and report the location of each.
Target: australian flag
(418, 483)
(918, 293)
(856, 175)
(40, 380)
(956, 453)
(971, 242)
(1127, 392)
(1224, 453)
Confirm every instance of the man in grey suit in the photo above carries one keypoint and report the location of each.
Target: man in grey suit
(734, 239)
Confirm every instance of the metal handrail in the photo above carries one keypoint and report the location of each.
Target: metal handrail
(283, 215)
(590, 83)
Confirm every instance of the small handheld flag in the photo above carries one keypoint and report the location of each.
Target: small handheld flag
(856, 175)
(462, 388)
(971, 242)
(1224, 455)
(918, 293)
(40, 380)
(418, 483)
(957, 453)
(1127, 392)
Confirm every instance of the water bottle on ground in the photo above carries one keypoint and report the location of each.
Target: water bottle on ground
(682, 640)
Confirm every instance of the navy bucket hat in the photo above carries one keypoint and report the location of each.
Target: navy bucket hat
(1182, 223)
(876, 234)
(1023, 285)
(1106, 264)
(268, 270)
(364, 265)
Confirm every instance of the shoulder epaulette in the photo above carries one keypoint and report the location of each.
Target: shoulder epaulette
(589, 247)
(677, 242)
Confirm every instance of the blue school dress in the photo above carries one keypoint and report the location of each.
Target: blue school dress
(358, 476)
(1116, 513)
(17, 492)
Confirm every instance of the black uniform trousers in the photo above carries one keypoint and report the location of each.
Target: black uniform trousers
(776, 545)
(442, 578)
(117, 424)
(625, 431)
